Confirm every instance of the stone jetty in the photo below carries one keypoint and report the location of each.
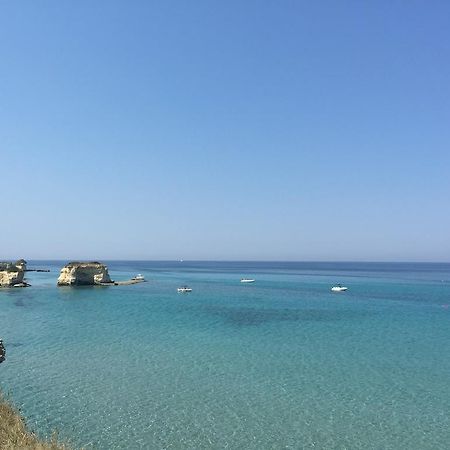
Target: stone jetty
(122, 283)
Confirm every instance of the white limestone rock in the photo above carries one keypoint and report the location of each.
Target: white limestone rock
(12, 273)
(83, 274)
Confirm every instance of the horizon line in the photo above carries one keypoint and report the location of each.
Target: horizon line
(247, 260)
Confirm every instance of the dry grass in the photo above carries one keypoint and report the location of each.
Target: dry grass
(14, 434)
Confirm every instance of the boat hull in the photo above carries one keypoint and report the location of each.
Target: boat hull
(338, 289)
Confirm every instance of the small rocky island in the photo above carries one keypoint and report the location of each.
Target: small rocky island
(12, 273)
(91, 273)
(78, 273)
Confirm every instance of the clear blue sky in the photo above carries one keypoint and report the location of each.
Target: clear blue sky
(275, 130)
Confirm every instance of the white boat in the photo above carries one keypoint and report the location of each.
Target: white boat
(247, 280)
(339, 288)
(138, 277)
(184, 289)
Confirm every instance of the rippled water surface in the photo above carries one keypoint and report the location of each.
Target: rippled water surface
(280, 363)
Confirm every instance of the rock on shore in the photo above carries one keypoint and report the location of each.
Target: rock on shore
(11, 273)
(2, 351)
(83, 274)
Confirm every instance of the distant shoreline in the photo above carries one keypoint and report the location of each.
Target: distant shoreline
(268, 261)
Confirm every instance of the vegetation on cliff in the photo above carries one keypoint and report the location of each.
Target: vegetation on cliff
(14, 433)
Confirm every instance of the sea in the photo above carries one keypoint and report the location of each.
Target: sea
(281, 363)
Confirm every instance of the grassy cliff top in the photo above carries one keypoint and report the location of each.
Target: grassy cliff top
(15, 435)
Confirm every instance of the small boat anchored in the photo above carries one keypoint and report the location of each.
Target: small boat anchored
(339, 288)
(247, 280)
(184, 289)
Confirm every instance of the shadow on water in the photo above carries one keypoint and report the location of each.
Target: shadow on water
(242, 317)
(19, 295)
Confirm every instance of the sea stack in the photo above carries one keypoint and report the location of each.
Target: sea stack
(83, 274)
(11, 273)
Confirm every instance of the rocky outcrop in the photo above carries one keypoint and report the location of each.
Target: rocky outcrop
(83, 274)
(21, 264)
(2, 352)
(11, 273)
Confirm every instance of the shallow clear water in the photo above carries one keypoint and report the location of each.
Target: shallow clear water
(281, 363)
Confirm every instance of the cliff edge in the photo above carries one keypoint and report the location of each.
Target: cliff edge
(14, 433)
(78, 273)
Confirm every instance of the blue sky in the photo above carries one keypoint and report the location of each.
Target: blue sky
(225, 130)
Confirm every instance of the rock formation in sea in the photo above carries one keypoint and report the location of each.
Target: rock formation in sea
(83, 274)
(2, 351)
(11, 273)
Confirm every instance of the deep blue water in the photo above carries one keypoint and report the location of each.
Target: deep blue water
(281, 363)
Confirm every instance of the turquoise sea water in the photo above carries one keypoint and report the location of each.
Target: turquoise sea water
(281, 363)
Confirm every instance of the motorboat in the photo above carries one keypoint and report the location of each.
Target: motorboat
(184, 289)
(22, 284)
(247, 280)
(138, 277)
(339, 288)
